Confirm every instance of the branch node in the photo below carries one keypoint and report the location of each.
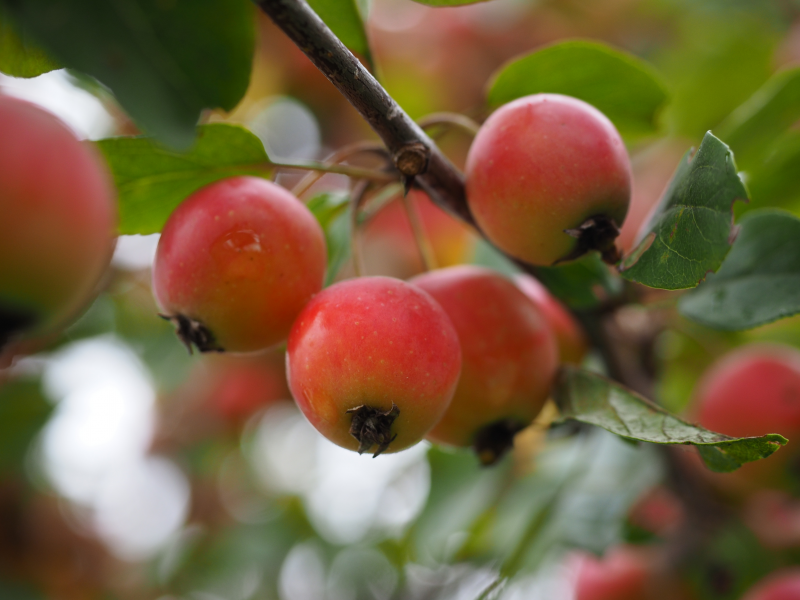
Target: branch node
(412, 159)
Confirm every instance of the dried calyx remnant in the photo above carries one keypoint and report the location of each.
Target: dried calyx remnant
(193, 333)
(372, 427)
(13, 322)
(595, 233)
(493, 441)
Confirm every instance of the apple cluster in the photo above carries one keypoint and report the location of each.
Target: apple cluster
(461, 355)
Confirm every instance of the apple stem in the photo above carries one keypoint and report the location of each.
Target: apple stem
(349, 170)
(342, 154)
(356, 201)
(193, 333)
(448, 120)
(373, 427)
(424, 246)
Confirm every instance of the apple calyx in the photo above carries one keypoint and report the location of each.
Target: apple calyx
(495, 440)
(193, 333)
(372, 426)
(13, 322)
(595, 233)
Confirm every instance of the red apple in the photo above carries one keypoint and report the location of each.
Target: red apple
(548, 178)
(572, 342)
(780, 585)
(236, 263)
(373, 363)
(57, 221)
(510, 358)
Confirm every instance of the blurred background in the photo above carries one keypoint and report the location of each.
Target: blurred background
(132, 470)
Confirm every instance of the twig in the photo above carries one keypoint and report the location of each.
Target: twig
(349, 170)
(341, 155)
(359, 194)
(453, 120)
(412, 151)
(424, 247)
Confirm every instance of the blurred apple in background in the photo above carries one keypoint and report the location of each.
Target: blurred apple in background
(220, 395)
(390, 249)
(659, 512)
(572, 342)
(780, 585)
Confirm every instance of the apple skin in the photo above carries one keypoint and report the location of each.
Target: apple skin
(373, 341)
(239, 386)
(541, 165)
(242, 256)
(774, 517)
(509, 352)
(779, 585)
(572, 342)
(57, 220)
(751, 391)
(658, 511)
(622, 574)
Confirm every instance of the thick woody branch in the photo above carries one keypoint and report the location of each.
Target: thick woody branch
(414, 154)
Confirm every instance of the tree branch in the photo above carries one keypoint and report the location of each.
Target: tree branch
(413, 152)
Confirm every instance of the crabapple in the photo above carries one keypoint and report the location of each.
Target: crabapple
(548, 179)
(510, 358)
(622, 574)
(238, 386)
(774, 517)
(373, 362)
(572, 343)
(236, 263)
(222, 392)
(57, 221)
(752, 391)
(780, 585)
(658, 511)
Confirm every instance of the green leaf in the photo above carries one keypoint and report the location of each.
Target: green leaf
(774, 182)
(19, 55)
(582, 283)
(346, 20)
(689, 235)
(626, 89)
(759, 281)
(714, 63)
(332, 212)
(23, 412)
(152, 180)
(592, 399)
(328, 206)
(164, 60)
(752, 128)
